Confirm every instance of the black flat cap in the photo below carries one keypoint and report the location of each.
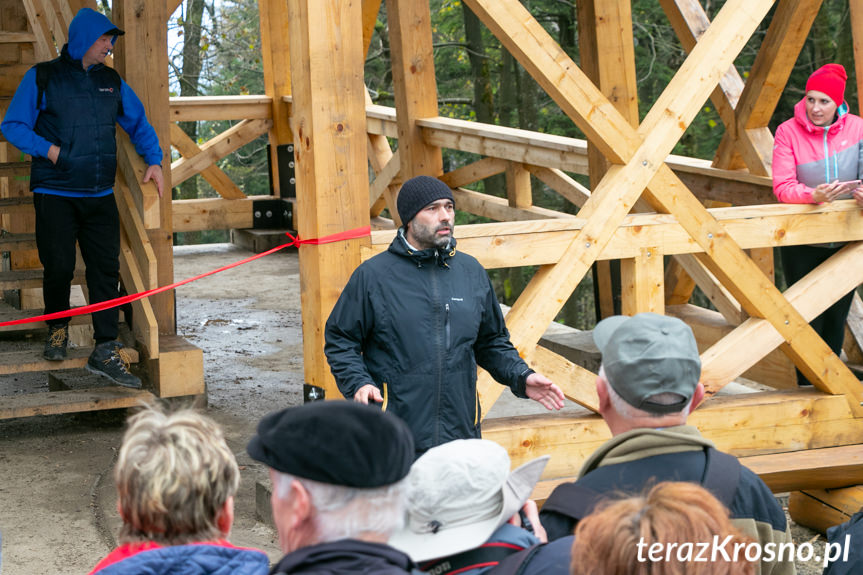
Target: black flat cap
(335, 442)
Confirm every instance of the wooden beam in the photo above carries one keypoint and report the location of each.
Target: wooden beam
(561, 183)
(518, 189)
(213, 214)
(100, 398)
(214, 175)
(381, 157)
(145, 197)
(414, 85)
(720, 297)
(756, 337)
(499, 209)
(133, 224)
(641, 280)
(474, 172)
(385, 178)
(743, 425)
(277, 59)
(44, 47)
(228, 141)
(820, 509)
(145, 326)
(332, 183)
(213, 108)
(824, 468)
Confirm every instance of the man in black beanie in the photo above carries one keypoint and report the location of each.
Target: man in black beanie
(337, 470)
(413, 323)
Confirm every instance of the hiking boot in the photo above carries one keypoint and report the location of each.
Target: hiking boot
(110, 360)
(56, 342)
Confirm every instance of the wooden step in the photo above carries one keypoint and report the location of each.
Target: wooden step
(49, 403)
(22, 279)
(825, 468)
(15, 242)
(11, 315)
(32, 360)
(22, 205)
(12, 169)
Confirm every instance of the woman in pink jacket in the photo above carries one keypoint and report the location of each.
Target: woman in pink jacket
(817, 158)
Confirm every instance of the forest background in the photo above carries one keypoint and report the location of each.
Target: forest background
(215, 50)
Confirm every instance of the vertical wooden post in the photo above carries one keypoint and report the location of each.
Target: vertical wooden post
(414, 84)
(608, 58)
(641, 280)
(518, 186)
(141, 57)
(329, 128)
(275, 52)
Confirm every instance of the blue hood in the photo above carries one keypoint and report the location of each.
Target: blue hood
(85, 29)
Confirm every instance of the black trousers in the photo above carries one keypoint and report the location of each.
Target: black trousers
(797, 261)
(95, 224)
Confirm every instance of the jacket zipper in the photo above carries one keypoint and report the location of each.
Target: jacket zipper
(447, 327)
(828, 179)
(440, 368)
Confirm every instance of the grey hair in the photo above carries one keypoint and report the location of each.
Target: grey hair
(346, 512)
(628, 411)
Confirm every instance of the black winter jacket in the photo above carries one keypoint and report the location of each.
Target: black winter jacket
(416, 324)
(346, 557)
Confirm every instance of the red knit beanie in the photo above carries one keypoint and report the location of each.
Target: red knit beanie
(830, 79)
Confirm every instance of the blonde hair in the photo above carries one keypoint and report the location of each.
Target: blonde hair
(174, 475)
(680, 516)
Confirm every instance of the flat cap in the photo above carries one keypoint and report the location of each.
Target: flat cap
(335, 442)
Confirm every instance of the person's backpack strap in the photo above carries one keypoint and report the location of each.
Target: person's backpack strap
(573, 500)
(721, 475)
(42, 71)
(515, 563)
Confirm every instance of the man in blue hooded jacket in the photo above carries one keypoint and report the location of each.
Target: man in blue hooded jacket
(64, 114)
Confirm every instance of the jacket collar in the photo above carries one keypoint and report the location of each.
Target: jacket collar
(803, 120)
(400, 247)
(344, 555)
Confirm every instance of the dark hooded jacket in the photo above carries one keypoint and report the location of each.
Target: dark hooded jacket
(345, 557)
(416, 324)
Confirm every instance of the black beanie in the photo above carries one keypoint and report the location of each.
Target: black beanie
(417, 193)
(335, 442)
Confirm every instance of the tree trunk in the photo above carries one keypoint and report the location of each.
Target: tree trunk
(189, 79)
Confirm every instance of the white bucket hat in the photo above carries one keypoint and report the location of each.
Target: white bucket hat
(458, 494)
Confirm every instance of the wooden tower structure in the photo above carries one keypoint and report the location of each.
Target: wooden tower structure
(644, 206)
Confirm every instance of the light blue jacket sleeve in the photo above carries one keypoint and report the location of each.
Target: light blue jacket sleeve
(20, 119)
(134, 121)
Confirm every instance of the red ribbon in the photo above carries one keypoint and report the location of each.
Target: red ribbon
(94, 307)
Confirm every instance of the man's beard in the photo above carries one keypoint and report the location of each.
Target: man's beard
(427, 237)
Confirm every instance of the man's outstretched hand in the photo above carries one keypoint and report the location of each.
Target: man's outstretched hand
(368, 393)
(540, 388)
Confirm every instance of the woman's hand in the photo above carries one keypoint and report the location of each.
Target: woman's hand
(827, 192)
(858, 196)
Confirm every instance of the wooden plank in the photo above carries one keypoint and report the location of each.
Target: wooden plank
(276, 55)
(228, 141)
(380, 157)
(414, 85)
(28, 361)
(755, 337)
(133, 224)
(32, 278)
(144, 326)
(518, 191)
(384, 179)
(331, 161)
(820, 510)
(14, 169)
(18, 205)
(17, 37)
(371, 9)
(113, 397)
(642, 280)
(215, 108)
(474, 172)
(13, 242)
(774, 369)
(499, 209)
(12, 315)
(213, 214)
(214, 175)
(825, 468)
(743, 425)
(561, 183)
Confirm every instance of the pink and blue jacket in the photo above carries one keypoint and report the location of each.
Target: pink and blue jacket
(806, 155)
